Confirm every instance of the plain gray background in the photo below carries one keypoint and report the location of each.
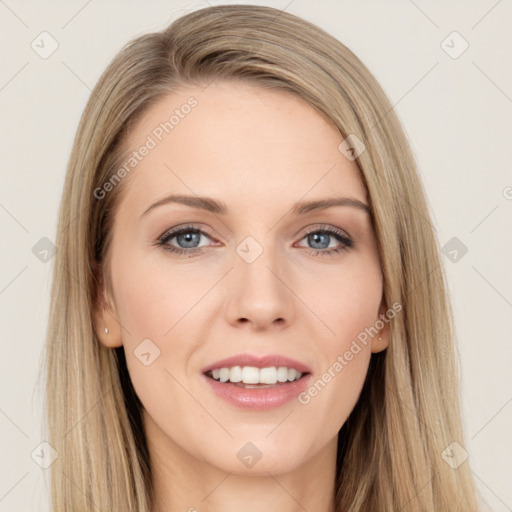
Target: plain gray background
(456, 109)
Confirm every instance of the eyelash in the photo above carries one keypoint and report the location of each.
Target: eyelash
(347, 243)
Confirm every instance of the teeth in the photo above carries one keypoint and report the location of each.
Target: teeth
(236, 374)
(224, 374)
(250, 375)
(253, 375)
(282, 374)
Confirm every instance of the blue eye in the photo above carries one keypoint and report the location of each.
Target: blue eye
(189, 238)
(320, 236)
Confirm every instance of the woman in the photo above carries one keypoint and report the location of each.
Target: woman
(248, 306)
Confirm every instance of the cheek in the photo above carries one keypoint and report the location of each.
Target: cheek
(156, 308)
(346, 300)
(335, 390)
(162, 315)
(336, 387)
(348, 306)
(156, 299)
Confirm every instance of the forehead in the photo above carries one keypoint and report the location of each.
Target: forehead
(239, 142)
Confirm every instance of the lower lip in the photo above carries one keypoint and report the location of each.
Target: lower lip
(258, 398)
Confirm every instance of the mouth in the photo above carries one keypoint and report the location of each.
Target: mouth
(251, 377)
(257, 382)
(257, 389)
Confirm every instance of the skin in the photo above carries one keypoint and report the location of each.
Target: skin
(259, 152)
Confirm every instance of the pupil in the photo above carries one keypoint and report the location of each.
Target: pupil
(189, 239)
(315, 239)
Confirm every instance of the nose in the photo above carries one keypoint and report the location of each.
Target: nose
(260, 295)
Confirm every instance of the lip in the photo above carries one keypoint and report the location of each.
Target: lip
(258, 398)
(258, 362)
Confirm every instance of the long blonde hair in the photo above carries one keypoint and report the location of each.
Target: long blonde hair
(390, 449)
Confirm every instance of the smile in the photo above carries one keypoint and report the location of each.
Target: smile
(257, 395)
(254, 375)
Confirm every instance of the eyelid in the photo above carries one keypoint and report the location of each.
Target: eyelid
(326, 227)
(342, 237)
(207, 231)
(186, 227)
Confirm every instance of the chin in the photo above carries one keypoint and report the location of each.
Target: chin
(258, 456)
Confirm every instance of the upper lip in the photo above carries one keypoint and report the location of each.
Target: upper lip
(264, 361)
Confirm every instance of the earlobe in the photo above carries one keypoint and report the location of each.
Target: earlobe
(381, 340)
(108, 331)
(106, 325)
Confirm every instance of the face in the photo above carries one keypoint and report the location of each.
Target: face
(250, 274)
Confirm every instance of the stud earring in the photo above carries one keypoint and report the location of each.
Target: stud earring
(380, 339)
(106, 330)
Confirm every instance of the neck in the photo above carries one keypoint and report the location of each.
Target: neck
(181, 482)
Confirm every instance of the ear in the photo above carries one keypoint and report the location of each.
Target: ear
(105, 314)
(381, 340)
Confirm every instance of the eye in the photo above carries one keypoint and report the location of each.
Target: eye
(187, 237)
(321, 239)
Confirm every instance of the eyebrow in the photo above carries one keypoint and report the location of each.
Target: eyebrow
(218, 207)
